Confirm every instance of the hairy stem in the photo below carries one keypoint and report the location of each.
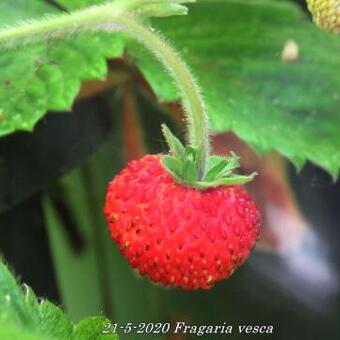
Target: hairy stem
(191, 96)
(56, 26)
(120, 16)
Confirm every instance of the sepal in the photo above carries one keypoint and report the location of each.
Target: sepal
(175, 146)
(182, 164)
(164, 8)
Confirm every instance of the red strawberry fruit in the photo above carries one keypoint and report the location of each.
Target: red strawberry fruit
(176, 229)
(182, 219)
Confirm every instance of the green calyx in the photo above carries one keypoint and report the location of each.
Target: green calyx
(182, 164)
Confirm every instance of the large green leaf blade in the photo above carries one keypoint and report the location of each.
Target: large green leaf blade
(234, 49)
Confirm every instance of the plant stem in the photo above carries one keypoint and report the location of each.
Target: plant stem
(94, 18)
(58, 26)
(118, 16)
(191, 96)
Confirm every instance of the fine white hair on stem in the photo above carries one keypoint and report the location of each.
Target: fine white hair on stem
(191, 95)
(54, 26)
(185, 72)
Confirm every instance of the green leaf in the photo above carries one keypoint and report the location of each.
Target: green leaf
(37, 78)
(12, 302)
(175, 146)
(54, 322)
(234, 49)
(92, 329)
(232, 164)
(22, 317)
(32, 304)
(232, 180)
(172, 164)
(220, 166)
(10, 332)
(216, 166)
(160, 10)
(76, 4)
(189, 171)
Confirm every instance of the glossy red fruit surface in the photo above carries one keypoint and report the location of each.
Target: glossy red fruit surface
(177, 235)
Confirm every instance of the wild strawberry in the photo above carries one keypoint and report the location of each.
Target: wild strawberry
(178, 235)
(182, 218)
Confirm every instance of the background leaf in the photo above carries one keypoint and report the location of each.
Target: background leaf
(38, 78)
(234, 48)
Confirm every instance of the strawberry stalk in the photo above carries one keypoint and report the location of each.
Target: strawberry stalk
(192, 101)
(189, 165)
